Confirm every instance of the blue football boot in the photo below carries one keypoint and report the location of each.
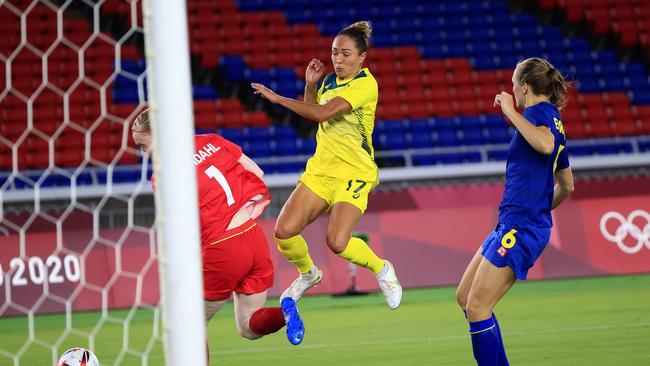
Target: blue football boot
(295, 327)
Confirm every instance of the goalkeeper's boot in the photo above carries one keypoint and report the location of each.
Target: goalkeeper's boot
(303, 283)
(389, 285)
(295, 327)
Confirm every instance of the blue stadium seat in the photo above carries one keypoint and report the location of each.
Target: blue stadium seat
(133, 66)
(421, 140)
(285, 147)
(644, 146)
(83, 179)
(447, 137)
(289, 167)
(469, 122)
(419, 126)
(256, 133)
(125, 81)
(419, 160)
(258, 148)
(283, 73)
(641, 96)
(612, 83)
(580, 150)
(392, 141)
(283, 131)
(444, 123)
(389, 126)
(123, 96)
(498, 135)
(472, 136)
(234, 67)
(125, 176)
(614, 148)
(493, 120)
(258, 76)
(497, 155)
(203, 92)
(307, 146)
(234, 135)
(267, 168)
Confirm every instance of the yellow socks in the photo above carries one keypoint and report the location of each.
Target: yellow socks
(358, 252)
(296, 251)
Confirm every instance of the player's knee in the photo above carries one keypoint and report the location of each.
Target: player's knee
(477, 309)
(286, 230)
(210, 309)
(461, 298)
(245, 330)
(247, 333)
(337, 241)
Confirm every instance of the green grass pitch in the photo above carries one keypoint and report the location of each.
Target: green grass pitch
(593, 321)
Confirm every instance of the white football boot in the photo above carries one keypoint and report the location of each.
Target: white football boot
(389, 285)
(301, 284)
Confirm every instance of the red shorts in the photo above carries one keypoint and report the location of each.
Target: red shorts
(237, 261)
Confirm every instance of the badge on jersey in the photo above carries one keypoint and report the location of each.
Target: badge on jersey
(502, 251)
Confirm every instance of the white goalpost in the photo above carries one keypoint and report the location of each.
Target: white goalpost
(167, 53)
(80, 263)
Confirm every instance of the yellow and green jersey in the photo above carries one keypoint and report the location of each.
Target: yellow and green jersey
(344, 143)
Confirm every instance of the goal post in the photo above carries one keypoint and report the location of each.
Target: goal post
(83, 263)
(170, 92)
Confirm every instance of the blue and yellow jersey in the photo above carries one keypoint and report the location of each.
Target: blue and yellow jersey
(344, 143)
(528, 194)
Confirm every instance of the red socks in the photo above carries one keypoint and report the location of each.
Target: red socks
(267, 320)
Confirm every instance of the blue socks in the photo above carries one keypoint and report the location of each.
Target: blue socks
(487, 343)
(503, 359)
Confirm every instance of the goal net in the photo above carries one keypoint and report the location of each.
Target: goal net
(78, 253)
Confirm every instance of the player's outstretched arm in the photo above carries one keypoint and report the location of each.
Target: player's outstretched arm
(251, 166)
(564, 186)
(539, 137)
(311, 111)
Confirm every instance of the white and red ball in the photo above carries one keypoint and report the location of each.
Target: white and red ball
(78, 357)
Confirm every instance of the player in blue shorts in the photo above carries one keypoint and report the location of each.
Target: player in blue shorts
(536, 157)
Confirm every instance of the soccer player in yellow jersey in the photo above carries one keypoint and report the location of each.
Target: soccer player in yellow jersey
(342, 172)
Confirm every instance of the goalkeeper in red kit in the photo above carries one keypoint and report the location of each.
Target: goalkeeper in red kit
(234, 250)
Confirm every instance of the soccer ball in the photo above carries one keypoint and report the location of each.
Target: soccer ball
(78, 357)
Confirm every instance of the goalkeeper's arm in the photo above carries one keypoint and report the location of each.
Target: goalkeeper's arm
(251, 166)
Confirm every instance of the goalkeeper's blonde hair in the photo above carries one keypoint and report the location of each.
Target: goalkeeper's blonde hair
(142, 122)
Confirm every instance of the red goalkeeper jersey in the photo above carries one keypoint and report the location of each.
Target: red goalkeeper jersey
(224, 185)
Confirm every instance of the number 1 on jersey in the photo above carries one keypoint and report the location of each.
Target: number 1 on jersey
(215, 173)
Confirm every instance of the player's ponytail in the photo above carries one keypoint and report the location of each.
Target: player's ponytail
(141, 123)
(544, 79)
(360, 32)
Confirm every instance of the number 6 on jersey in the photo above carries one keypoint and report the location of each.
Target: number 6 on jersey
(215, 173)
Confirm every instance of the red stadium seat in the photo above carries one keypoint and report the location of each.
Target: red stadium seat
(390, 111)
(417, 110)
(128, 158)
(624, 127)
(465, 107)
(575, 131)
(206, 121)
(229, 105)
(69, 157)
(599, 128)
(256, 119)
(440, 108)
(434, 79)
(412, 94)
(388, 96)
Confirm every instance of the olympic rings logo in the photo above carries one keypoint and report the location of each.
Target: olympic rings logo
(627, 227)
